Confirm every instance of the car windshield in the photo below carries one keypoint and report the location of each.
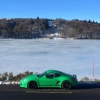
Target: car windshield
(40, 75)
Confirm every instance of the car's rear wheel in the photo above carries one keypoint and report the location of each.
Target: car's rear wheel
(32, 85)
(66, 85)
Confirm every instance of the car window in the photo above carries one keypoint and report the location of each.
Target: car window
(57, 75)
(40, 75)
(50, 75)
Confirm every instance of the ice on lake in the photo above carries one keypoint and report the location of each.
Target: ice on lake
(38, 55)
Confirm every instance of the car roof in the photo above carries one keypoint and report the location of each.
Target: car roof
(54, 71)
(57, 71)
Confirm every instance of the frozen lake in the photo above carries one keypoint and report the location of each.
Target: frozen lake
(70, 56)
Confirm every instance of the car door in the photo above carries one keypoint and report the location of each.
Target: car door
(48, 80)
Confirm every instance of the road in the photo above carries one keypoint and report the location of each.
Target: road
(81, 92)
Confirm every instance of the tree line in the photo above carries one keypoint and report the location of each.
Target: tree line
(28, 28)
(10, 77)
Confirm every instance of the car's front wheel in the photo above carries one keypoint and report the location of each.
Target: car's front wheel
(66, 85)
(32, 85)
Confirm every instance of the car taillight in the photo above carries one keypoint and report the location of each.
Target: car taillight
(74, 79)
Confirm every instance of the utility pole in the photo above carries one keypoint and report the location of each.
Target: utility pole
(93, 70)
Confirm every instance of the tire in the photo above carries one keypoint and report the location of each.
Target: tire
(32, 85)
(66, 85)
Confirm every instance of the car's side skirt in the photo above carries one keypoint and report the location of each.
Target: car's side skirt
(50, 86)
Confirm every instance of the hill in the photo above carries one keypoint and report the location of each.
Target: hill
(28, 28)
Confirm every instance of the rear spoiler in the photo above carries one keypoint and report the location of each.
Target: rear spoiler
(74, 75)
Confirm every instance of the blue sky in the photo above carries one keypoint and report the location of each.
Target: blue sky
(65, 9)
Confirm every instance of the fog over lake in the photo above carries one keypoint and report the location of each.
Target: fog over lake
(38, 55)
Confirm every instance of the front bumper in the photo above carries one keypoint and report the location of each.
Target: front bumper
(23, 83)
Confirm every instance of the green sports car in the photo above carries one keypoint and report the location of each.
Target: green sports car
(49, 79)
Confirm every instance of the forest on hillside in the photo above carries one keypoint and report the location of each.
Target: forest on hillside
(28, 28)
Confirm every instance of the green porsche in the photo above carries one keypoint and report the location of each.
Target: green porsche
(49, 79)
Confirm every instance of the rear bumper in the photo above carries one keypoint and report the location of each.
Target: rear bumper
(74, 83)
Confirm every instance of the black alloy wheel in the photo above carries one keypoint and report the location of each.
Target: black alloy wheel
(32, 85)
(66, 85)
